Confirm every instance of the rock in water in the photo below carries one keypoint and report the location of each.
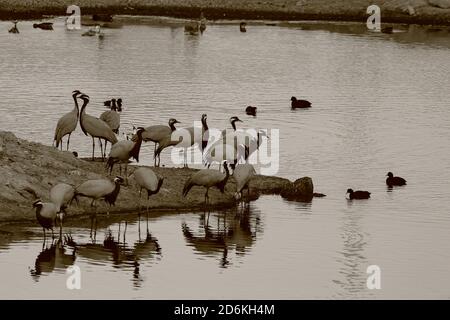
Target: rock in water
(300, 190)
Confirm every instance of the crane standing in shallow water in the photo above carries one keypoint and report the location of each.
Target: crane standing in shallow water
(147, 179)
(47, 215)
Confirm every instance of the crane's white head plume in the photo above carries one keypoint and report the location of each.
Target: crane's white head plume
(37, 203)
(118, 179)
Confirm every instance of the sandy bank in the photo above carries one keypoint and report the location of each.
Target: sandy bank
(29, 169)
(400, 11)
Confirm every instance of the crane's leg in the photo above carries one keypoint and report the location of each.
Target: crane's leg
(101, 148)
(106, 143)
(148, 198)
(107, 210)
(60, 229)
(44, 235)
(68, 142)
(93, 148)
(125, 231)
(139, 226)
(206, 197)
(126, 173)
(53, 235)
(154, 155)
(139, 202)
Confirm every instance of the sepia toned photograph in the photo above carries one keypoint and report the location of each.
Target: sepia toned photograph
(237, 150)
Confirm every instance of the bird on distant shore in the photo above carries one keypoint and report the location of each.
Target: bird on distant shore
(202, 26)
(357, 195)
(207, 178)
(14, 28)
(192, 27)
(388, 30)
(47, 215)
(242, 27)
(102, 17)
(243, 173)
(67, 123)
(123, 150)
(90, 33)
(95, 127)
(251, 111)
(158, 133)
(300, 104)
(394, 181)
(147, 179)
(44, 25)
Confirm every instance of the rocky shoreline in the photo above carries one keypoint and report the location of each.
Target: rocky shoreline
(30, 169)
(435, 12)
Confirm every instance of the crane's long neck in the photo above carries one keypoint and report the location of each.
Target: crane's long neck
(204, 125)
(111, 198)
(38, 212)
(259, 140)
(76, 108)
(172, 127)
(82, 114)
(205, 129)
(137, 147)
(233, 124)
(160, 182)
(227, 175)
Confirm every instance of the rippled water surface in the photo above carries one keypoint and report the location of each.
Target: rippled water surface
(380, 103)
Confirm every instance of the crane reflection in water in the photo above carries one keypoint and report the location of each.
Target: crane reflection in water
(235, 229)
(114, 250)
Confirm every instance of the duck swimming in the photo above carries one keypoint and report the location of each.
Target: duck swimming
(394, 181)
(357, 195)
(251, 111)
(299, 103)
(44, 25)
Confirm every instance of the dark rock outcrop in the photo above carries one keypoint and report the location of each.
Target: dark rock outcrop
(300, 190)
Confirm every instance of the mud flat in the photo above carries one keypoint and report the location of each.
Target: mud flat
(393, 11)
(28, 170)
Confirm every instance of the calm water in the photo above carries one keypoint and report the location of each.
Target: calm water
(379, 104)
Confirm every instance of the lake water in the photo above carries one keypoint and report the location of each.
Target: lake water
(380, 103)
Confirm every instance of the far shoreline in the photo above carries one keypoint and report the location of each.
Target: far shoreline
(17, 12)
